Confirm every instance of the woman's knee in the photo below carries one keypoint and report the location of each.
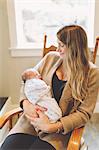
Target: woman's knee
(17, 141)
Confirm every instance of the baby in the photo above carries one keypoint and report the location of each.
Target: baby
(38, 92)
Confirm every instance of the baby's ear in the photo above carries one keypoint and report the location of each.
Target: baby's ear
(39, 76)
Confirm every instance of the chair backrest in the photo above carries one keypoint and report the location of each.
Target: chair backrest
(53, 48)
(94, 53)
(47, 49)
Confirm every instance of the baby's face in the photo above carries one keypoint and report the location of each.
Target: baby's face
(35, 75)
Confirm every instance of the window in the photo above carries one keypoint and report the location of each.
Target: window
(34, 18)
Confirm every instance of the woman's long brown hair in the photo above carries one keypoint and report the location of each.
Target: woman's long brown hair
(76, 59)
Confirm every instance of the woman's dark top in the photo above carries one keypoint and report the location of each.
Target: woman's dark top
(57, 87)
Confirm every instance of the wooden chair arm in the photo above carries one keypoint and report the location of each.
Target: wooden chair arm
(75, 139)
(8, 116)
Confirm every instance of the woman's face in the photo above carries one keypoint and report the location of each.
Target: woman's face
(61, 48)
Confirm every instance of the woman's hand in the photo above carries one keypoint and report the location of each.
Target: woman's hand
(44, 124)
(30, 110)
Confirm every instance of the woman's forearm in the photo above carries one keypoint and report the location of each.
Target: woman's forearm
(56, 127)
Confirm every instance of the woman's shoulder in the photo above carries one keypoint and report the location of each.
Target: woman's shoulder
(53, 54)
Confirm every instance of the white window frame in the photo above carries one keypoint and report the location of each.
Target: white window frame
(16, 51)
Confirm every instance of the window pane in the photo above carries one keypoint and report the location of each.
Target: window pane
(35, 18)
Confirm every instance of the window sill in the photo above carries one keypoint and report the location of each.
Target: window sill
(25, 52)
(30, 52)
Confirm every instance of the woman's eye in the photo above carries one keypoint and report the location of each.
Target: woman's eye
(62, 45)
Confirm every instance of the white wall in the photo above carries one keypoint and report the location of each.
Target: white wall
(96, 24)
(1, 56)
(10, 67)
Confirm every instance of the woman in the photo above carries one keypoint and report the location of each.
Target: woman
(75, 84)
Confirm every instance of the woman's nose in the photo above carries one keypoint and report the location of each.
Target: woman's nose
(58, 49)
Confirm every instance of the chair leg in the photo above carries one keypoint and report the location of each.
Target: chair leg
(83, 145)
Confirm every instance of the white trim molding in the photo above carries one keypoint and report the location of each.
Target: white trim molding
(26, 52)
(14, 51)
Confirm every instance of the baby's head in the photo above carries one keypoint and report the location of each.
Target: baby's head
(32, 74)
